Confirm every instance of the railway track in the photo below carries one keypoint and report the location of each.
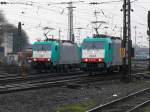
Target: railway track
(49, 81)
(36, 84)
(10, 78)
(129, 103)
(34, 81)
(35, 76)
(25, 81)
(140, 107)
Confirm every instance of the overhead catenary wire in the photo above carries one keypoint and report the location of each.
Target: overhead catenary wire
(31, 4)
(84, 19)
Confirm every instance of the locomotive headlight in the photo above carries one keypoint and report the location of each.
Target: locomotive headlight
(49, 59)
(100, 60)
(86, 60)
(29, 61)
(34, 59)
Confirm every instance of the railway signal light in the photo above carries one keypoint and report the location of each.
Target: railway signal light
(123, 52)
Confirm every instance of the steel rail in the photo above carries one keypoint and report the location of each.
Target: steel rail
(15, 87)
(47, 82)
(139, 106)
(27, 77)
(103, 106)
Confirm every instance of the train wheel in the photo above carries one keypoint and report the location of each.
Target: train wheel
(120, 68)
(109, 70)
(61, 68)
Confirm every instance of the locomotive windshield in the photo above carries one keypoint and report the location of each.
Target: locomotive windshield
(93, 45)
(41, 47)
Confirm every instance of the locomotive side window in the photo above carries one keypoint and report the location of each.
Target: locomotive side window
(56, 48)
(109, 45)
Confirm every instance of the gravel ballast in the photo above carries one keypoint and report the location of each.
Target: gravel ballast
(48, 99)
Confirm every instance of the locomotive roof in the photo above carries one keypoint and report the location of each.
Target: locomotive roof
(101, 38)
(54, 42)
(46, 42)
(106, 36)
(97, 39)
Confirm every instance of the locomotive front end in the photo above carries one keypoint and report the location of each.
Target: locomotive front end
(93, 54)
(41, 57)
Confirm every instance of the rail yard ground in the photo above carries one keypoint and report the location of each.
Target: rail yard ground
(78, 96)
(75, 56)
(70, 97)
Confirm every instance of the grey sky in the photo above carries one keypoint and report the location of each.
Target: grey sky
(41, 15)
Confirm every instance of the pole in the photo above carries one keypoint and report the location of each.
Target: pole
(126, 44)
(121, 33)
(19, 37)
(79, 32)
(70, 22)
(124, 40)
(135, 37)
(96, 26)
(129, 38)
(59, 34)
(149, 54)
(95, 13)
(148, 32)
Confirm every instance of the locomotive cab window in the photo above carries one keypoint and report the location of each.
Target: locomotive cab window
(93, 45)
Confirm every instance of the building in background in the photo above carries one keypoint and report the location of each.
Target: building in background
(7, 44)
(1, 51)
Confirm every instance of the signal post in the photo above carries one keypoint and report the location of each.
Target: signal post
(148, 32)
(126, 43)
